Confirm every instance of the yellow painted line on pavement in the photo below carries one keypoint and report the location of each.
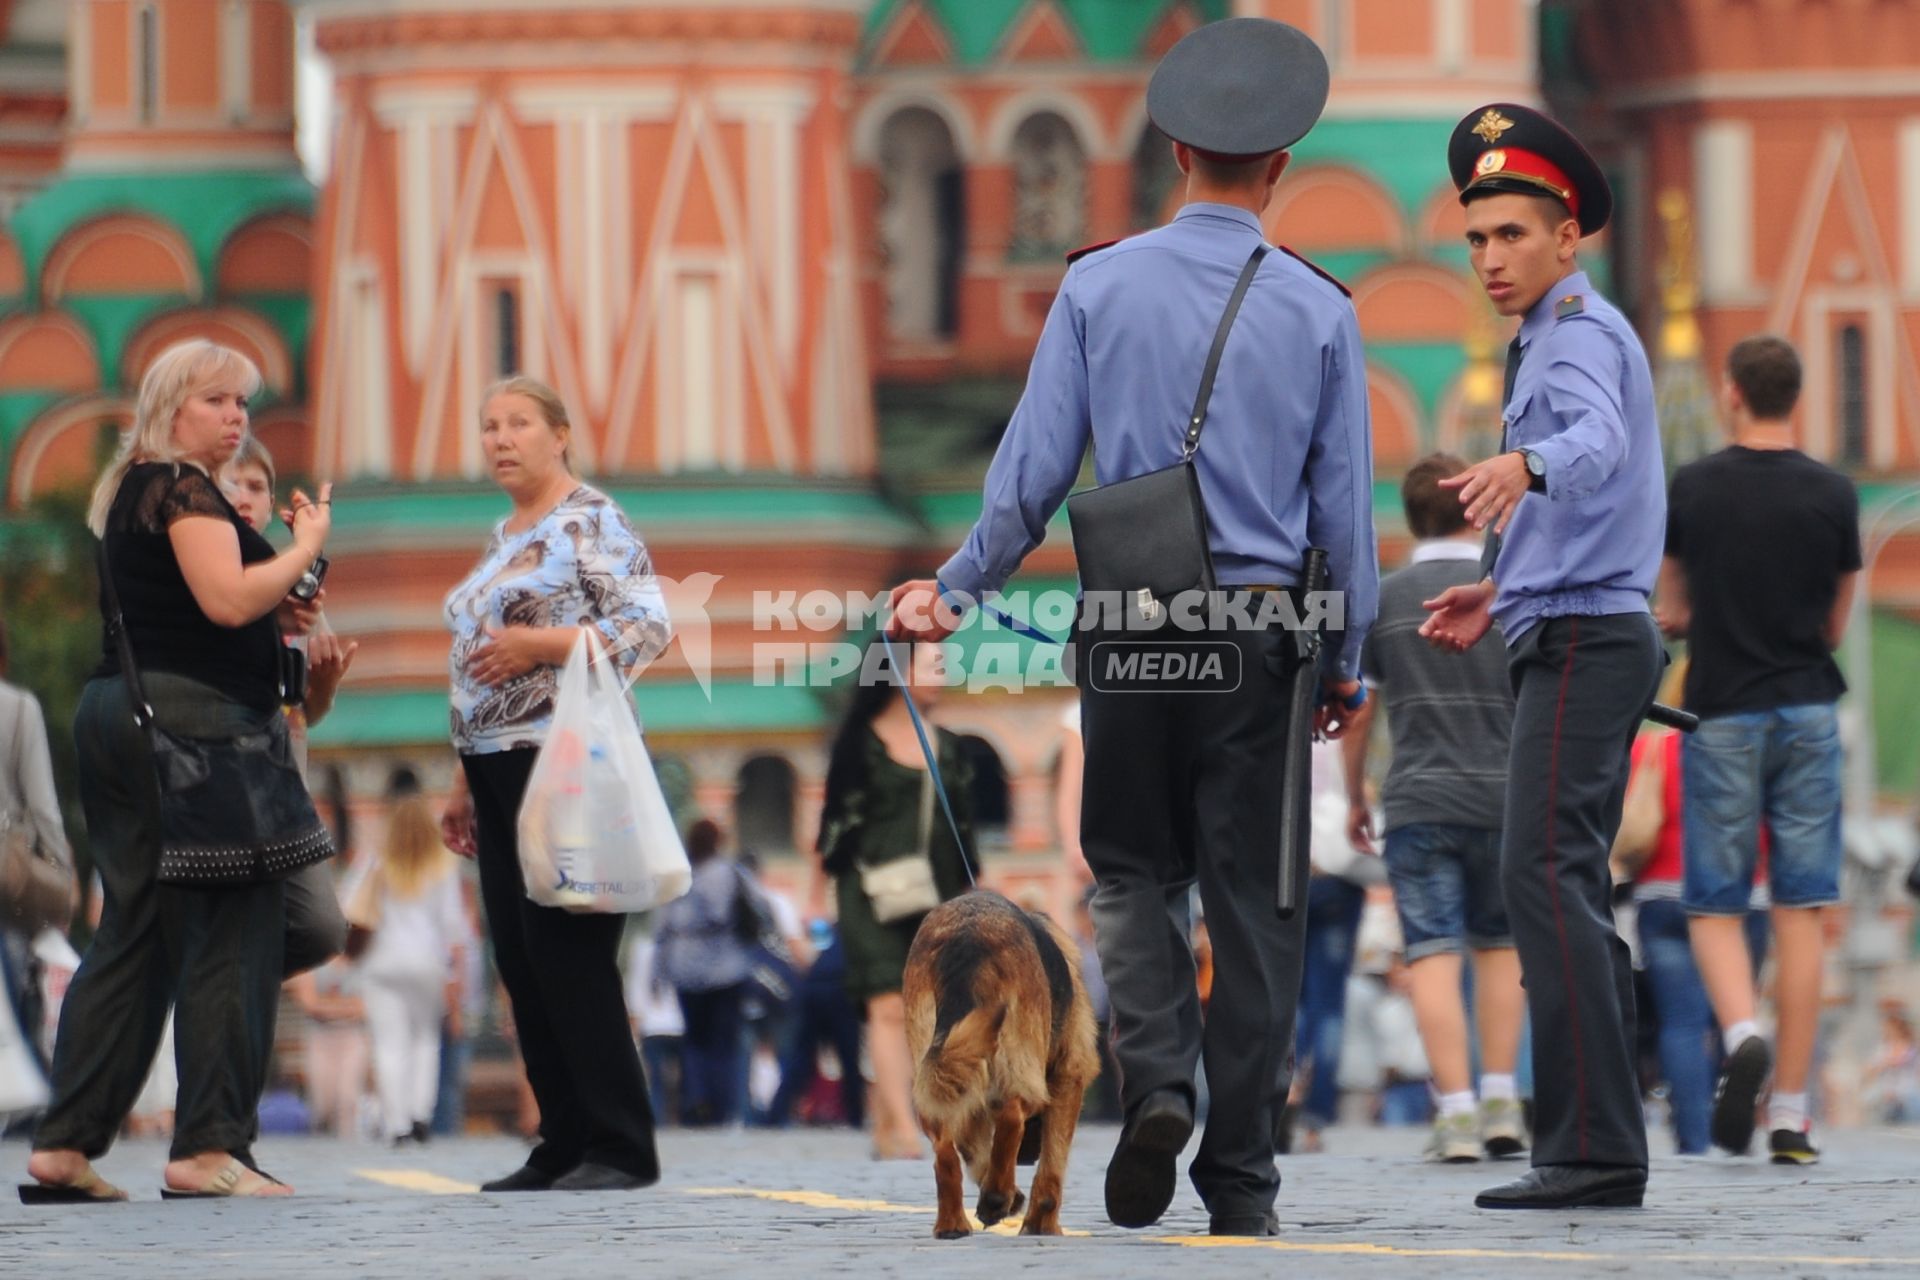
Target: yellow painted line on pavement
(418, 1180)
(1521, 1255)
(825, 1200)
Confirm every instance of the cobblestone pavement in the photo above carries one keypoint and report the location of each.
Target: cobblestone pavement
(813, 1204)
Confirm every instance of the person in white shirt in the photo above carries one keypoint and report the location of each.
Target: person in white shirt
(412, 966)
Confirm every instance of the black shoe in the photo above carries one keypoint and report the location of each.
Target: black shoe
(1569, 1186)
(1793, 1146)
(420, 1133)
(600, 1177)
(1244, 1224)
(1738, 1094)
(1140, 1176)
(525, 1178)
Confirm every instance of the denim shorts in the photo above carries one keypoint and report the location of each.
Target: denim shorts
(1781, 765)
(1446, 886)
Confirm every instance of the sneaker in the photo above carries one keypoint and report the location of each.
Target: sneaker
(1737, 1095)
(1503, 1127)
(1455, 1140)
(1793, 1146)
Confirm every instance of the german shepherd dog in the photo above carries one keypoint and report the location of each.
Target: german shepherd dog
(1004, 1047)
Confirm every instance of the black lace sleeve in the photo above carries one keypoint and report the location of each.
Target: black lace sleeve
(192, 493)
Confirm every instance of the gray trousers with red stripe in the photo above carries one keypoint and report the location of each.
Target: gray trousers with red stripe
(1582, 685)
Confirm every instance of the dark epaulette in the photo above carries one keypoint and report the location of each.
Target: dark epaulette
(1571, 305)
(1318, 270)
(1086, 249)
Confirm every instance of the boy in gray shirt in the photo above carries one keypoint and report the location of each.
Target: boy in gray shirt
(1450, 716)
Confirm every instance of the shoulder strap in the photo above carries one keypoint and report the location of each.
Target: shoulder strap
(1199, 416)
(117, 628)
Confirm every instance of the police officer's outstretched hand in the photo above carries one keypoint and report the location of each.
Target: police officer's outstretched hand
(917, 611)
(1459, 616)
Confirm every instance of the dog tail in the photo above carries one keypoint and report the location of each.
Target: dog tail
(955, 1066)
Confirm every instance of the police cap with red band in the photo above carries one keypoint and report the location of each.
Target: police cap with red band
(1507, 147)
(1239, 88)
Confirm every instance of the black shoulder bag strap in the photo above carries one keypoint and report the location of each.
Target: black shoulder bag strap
(117, 628)
(1198, 417)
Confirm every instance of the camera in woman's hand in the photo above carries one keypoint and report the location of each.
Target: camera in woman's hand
(309, 585)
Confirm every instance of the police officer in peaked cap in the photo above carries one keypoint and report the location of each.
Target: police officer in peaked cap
(1575, 507)
(1184, 786)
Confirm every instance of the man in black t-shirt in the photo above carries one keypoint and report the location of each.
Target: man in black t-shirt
(1762, 547)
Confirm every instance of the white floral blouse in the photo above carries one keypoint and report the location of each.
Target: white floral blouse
(581, 565)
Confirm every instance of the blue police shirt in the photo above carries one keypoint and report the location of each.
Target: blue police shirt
(1285, 458)
(1583, 401)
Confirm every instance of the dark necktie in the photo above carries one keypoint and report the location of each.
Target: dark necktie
(1490, 550)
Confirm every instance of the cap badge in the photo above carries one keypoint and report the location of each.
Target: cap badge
(1490, 162)
(1492, 124)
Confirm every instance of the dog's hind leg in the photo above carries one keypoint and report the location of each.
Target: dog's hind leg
(999, 1196)
(950, 1222)
(1062, 1113)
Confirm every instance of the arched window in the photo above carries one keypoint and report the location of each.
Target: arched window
(1049, 188)
(922, 224)
(1850, 365)
(1154, 177)
(763, 805)
(992, 803)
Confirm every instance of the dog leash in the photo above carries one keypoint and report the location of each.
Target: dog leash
(933, 762)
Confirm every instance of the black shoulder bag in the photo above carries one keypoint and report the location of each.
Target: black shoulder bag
(233, 811)
(1144, 539)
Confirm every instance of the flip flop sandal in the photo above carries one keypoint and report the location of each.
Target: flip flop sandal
(221, 1188)
(90, 1189)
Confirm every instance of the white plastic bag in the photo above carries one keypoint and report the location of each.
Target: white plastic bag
(595, 832)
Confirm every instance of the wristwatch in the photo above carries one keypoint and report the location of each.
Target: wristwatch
(1536, 470)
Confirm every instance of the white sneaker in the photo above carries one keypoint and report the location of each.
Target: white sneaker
(1455, 1140)
(1503, 1127)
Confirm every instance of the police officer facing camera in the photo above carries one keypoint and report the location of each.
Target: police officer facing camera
(1576, 509)
(1185, 784)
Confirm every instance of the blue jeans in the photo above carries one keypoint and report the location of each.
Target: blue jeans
(450, 1100)
(1690, 1049)
(1446, 888)
(1780, 766)
(1333, 921)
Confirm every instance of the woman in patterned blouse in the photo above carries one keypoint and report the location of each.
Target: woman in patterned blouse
(565, 559)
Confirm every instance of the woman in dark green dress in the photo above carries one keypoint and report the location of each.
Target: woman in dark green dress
(887, 846)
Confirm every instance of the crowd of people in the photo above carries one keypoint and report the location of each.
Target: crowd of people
(1519, 804)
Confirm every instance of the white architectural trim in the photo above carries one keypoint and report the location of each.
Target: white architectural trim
(1818, 331)
(1723, 195)
(1452, 34)
(1909, 207)
(236, 59)
(618, 99)
(368, 408)
(394, 104)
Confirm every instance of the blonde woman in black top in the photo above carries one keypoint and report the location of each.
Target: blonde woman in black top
(198, 589)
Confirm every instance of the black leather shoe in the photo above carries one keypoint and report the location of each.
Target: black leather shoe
(600, 1177)
(1140, 1176)
(1244, 1224)
(1569, 1186)
(525, 1178)
(1737, 1095)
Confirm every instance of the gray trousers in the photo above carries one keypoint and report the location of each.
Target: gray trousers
(1582, 686)
(1183, 787)
(215, 955)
